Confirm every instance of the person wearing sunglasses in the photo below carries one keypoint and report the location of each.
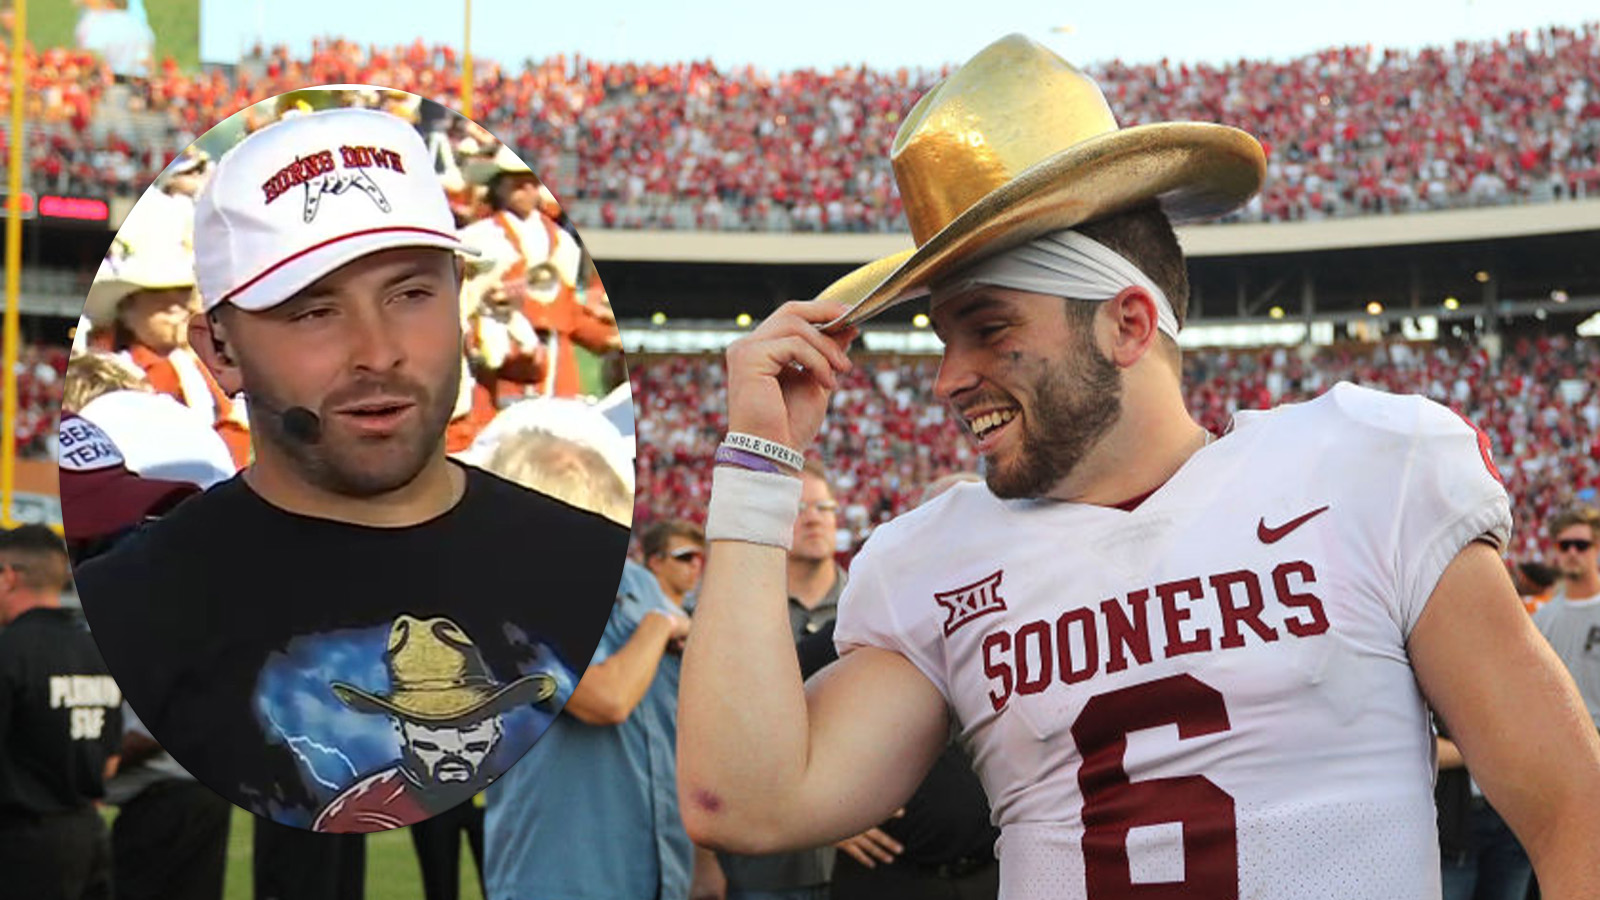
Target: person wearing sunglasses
(674, 552)
(1571, 620)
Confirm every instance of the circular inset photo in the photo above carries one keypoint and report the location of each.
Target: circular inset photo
(346, 475)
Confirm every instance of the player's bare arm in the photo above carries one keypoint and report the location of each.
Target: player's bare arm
(1516, 716)
(766, 762)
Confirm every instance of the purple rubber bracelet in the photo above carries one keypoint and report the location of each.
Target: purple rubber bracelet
(732, 456)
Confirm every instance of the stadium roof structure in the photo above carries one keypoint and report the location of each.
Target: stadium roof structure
(1415, 273)
(1233, 239)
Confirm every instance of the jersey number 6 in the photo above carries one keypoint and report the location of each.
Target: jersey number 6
(1112, 805)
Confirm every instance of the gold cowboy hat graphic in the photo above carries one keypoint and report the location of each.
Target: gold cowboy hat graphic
(438, 677)
(1018, 143)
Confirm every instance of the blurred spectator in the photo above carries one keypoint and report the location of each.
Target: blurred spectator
(604, 772)
(165, 212)
(594, 425)
(142, 303)
(675, 553)
(532, 314)
(60, 726)
(108, 499)
(519, 248)
(564, 469)
(1571, 620)
(159, 437)
(92, 374)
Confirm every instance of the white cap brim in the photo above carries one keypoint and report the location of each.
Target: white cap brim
(294, 274)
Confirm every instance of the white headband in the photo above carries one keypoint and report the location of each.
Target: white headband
(1064, 264)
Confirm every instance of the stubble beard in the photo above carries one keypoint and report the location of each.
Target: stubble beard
(1076, 401)
(351, 466)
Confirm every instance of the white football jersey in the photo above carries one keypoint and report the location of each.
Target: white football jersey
(1207, 697)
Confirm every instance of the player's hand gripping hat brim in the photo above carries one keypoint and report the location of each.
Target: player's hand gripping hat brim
(1018, 143)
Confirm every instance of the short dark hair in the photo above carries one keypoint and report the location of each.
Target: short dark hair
(1144, 237)
(654, 540)
(39, 554)
(1577, 515)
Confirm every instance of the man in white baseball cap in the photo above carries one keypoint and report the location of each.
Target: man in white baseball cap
(330, 270)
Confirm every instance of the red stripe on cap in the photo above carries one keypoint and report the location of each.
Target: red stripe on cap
(333, 240)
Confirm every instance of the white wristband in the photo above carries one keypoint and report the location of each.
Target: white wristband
(754, 507)
(772, 450)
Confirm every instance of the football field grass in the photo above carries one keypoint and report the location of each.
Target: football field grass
(392, 871)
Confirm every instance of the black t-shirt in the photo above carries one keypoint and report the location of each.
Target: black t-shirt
(60, 715)
(349, 678)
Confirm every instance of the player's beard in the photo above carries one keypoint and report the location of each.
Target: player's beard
(1076, 400)
(355, 466)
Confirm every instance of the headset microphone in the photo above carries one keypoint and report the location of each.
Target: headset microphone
(302, 424)
(299, 423)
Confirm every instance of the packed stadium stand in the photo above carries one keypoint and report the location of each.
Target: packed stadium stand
(887, 437)
(40, 369)
(1349, 130)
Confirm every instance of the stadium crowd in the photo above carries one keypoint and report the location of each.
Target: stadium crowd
(887, 436)
(40, 369)
(1348, 130)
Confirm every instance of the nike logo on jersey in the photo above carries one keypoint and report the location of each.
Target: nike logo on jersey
(1274, 535)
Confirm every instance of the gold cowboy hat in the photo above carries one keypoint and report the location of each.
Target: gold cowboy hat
(1018, 143)
(438, 677)
(147, 268)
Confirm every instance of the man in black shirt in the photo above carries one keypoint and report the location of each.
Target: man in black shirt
(60, 724)
(245, 622)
